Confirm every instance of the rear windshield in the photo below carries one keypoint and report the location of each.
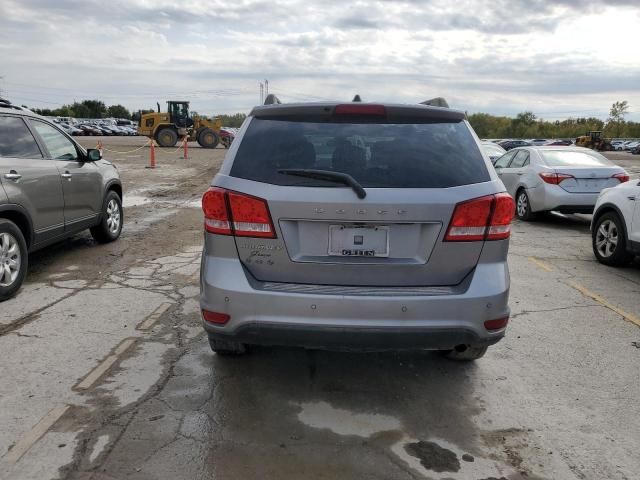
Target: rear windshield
(383, 155)
(558, 158)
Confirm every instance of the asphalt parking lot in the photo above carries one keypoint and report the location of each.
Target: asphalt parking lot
(106, 373)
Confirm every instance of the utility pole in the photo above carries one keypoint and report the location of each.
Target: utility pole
(261, 93)
(266, 88)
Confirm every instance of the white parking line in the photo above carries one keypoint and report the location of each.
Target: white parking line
(147, 323)
(105, 365)
(28, 440)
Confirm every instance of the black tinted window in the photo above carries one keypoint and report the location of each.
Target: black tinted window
(422, 155)
(16, 139)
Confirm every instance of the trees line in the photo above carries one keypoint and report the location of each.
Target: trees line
(527, 125)
(524, 125)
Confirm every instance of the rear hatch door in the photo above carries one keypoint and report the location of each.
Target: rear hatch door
(414, 170)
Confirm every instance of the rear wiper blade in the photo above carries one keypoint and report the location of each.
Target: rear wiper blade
(329, 176)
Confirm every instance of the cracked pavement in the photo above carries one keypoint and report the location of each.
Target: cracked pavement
(557, 399)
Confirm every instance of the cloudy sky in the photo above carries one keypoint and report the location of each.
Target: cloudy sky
(556, 58)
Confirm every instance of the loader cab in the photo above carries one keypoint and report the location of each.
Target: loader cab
(179, 114)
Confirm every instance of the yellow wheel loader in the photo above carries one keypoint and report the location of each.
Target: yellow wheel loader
(595, 141)
(167, 128)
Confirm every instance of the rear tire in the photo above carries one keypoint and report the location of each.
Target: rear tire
(207, 138)
(609, 242)
(111, 221)
(167, 137)
(227, 347)
(14, 259)
(468, 354)
(523, 206)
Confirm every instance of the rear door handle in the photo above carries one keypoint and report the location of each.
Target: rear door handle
(12, 175)
(66, 174)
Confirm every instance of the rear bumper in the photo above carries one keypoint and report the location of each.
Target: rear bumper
(438, 319)
(352, 338)
(553, 197)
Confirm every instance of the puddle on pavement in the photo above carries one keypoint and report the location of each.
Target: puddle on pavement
(321, 415)
(423, 456)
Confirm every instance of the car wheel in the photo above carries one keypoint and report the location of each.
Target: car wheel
(167, 137)
(14, 259)
(465, 353)
(227, 347)
(111, 221)
(609, 242)
(523, 206)
(207, 138)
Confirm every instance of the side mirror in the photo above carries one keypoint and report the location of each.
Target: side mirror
(93, 155)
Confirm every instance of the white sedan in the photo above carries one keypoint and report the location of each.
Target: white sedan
(564, 179)
(615, 228)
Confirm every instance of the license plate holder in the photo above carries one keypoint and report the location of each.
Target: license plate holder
(358, 241)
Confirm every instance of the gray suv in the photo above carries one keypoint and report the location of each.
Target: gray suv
(356, 226)
(50, 188)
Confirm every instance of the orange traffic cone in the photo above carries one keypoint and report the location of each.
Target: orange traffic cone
(152, 155)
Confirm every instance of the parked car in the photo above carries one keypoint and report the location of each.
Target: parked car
(617, 144)
(50, 188)
(628, 146)
(636, 150)
(89, 129)
(70, 129)
(564, 179)
(509, 144)
(538, 141)
(340, 226)
(492, 150)
(226, 137)
(615, 227)
(558, 143)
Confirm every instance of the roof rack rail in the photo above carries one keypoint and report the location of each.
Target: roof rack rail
(4, 103)
(436, 102)
(272, 100)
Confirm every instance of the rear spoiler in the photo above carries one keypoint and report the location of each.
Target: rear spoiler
(394, 112)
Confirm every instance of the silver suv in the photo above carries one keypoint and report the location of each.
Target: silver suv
(50, 188)
(356, 226)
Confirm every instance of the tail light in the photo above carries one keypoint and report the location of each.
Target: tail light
(233, 213)
(484, 218)
(215, 317)
(360, 109)
(216, 213)
(623, 177)
(554, 178)
(496, 324)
